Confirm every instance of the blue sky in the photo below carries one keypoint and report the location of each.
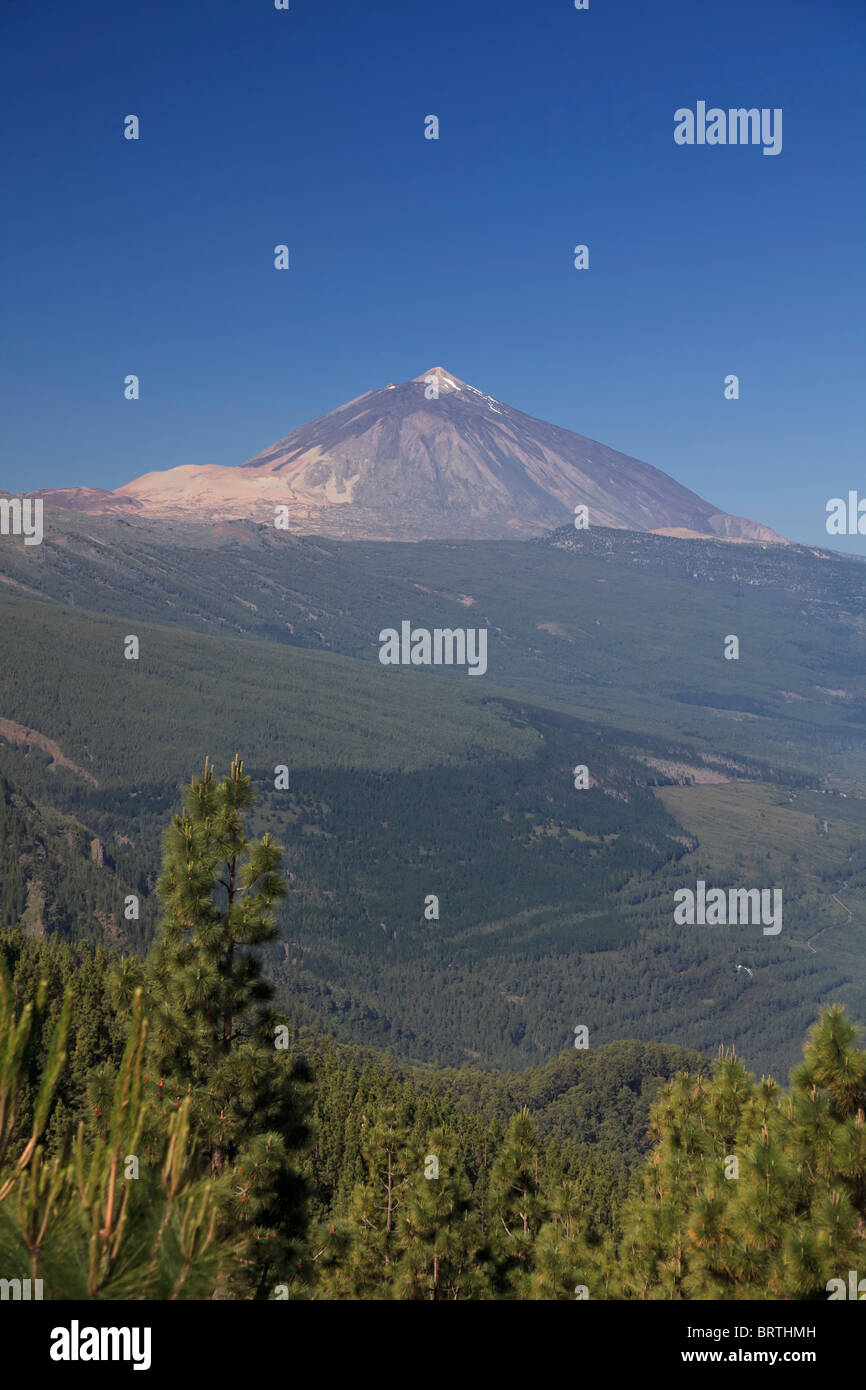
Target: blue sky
(556, 127)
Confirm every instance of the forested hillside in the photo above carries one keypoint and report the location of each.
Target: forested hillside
(591, 1108)
(60, 879)
(405, 785)
(228, 1150)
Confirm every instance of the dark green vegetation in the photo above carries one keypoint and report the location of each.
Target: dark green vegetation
(632, 633)
(181, 1096)
(199, 1097)
(605, 648)
(591, 1108)
(402, 1185)
(59, 878)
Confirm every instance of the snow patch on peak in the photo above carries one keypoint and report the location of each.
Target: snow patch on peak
(492, 402)
(446, 382)
(443, 378)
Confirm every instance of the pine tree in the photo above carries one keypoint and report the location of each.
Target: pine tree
(517, 1208)
(214, 1036)
(752, 1193)
(368, 1247)
(558, 1253)
(84, 1222)
(443, 1255)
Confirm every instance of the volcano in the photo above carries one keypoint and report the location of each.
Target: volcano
(432, 458)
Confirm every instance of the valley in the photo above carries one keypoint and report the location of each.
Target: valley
(604, 648)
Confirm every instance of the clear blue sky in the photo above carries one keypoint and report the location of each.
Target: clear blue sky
(306, 127)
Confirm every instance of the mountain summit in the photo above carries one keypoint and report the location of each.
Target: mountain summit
(431, 458)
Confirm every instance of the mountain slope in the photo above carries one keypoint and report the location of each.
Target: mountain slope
(605, 647)
(59, 877)
(431, 458)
